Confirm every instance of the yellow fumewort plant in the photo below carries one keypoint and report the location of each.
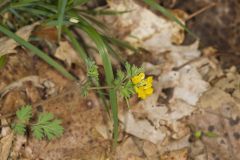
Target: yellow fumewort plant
(143, 87)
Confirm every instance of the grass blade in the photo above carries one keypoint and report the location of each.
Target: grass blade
(22, 3)
(37, 52)
(3, 61)
(96, 37)
(168, 14)
(97, 12)
(75, 44)
(80, 2)
(37, 12)
(120, 43)
(61, 9)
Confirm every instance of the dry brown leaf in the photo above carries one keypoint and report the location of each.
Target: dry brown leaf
(127, 150)
(141, 28)
(5, 146)
(150, 150)
(132, 157)
(174, 145)
(175, 155)
(66, 53)
(46, 33)
(10, 45)
(148, 120)
(141, 128)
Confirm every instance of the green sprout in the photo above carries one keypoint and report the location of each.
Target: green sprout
(45, 126)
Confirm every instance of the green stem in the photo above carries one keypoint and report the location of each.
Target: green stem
(103, 87)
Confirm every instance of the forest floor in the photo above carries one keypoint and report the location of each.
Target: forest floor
(194, 112)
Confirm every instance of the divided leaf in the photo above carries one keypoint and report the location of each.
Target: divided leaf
(92, 70)
(47, 126)
(24, 114)
(19, 128)
(133, 70)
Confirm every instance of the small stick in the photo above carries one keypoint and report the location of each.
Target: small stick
(194, 60)
(201, 11)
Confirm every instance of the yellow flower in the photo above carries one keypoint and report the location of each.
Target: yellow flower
(137, 79)
(140, 91)
(143, 87)
(149, 91)
(148, 83)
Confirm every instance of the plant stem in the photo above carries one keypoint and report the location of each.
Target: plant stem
(103, 87)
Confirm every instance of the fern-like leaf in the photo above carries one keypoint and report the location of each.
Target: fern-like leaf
(47, 126)
(24, 114)
(19, 128)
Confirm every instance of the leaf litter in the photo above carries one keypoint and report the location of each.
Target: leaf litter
(198, 94)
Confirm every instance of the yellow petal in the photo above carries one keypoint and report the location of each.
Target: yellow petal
(141, 76)
(136, 89)
(137, 79)
(148, 85)
(142, 95)
(149, 91)
(149, 79)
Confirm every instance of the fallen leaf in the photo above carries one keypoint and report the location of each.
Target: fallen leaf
(66, 53)
(141, 128)
(127, 150)
(5, 146)
(176, 155)
(10, 45)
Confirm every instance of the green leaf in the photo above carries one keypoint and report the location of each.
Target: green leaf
(45, 118)
(92, 70)
(210, 134)
(80, 2)
(133, 70)
(198, 134)
(37, 12)
(19, 128)
(38, 52)
(168, 14)
(47, 126)
(23, 116)
(23, 3)
(120, 43)
(3, 61)
(37, 132)
(127, 90)
(97, 12)
(24, 113)
(61, 10)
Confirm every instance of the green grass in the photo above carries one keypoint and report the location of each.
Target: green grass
(3, 60)
(61, 10)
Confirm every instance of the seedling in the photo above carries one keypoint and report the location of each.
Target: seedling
(46, 126)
